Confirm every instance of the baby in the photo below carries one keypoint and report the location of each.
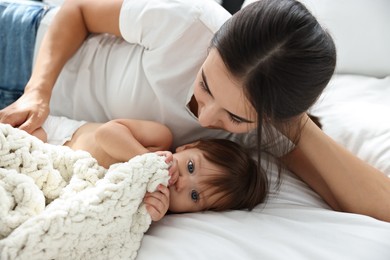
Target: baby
(214, 174)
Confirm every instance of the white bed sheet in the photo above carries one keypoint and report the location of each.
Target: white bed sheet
(296, 223)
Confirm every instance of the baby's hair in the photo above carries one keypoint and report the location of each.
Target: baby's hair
(237, 185)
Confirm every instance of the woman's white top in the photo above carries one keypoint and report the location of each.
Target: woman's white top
(149, 74)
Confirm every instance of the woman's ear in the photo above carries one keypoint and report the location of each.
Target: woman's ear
(186, 146)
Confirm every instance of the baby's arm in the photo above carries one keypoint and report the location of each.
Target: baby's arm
(123, 139)
(40, 134)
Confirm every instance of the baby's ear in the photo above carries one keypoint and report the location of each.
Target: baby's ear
(186, 146)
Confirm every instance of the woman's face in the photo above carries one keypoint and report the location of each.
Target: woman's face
(220, 99)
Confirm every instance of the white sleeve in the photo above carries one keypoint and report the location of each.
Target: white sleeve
(155, 23)
(175, 36)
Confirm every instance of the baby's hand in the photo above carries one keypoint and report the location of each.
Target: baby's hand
(157, 203)
(172, 165)
(167, 154)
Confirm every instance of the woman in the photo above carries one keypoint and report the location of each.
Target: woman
(264, 69)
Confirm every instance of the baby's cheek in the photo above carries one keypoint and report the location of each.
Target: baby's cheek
(174, 203)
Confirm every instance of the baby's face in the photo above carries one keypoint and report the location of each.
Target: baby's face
(188, 193)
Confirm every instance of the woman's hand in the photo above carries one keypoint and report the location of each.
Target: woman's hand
(157, 203)
(28, 112)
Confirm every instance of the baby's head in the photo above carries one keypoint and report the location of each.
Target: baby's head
(214, 174)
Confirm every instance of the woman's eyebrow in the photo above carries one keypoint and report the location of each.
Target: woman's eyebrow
(211, 94)
(205, 83)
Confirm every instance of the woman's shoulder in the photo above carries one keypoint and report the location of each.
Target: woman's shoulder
(187, 9)
(141, 20)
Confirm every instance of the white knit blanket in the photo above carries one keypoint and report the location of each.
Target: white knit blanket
(56, 203)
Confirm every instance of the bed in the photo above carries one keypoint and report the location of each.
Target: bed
(295, 223)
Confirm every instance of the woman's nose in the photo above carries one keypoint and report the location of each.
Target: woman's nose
(208, 117)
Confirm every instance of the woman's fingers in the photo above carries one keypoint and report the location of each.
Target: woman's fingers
(8, 117)
(28, 112)
(33, 121)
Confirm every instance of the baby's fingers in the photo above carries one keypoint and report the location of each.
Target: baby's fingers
(154, 213)
(167, 154)
(157, 203)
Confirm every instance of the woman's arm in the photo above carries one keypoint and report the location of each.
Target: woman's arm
(72, 24)
(123, 139)
(343, 180)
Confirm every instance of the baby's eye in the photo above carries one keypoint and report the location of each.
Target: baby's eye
(194, 195)
(191, 167)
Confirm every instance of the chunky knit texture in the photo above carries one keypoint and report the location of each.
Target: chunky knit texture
(56, 203)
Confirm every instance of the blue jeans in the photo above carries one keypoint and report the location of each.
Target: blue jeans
(19, 22)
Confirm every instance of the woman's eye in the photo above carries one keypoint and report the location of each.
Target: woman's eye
(235, 120)
(204, 87)
(194, 195)
(190, 167)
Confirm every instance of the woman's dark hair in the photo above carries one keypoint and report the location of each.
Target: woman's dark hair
(237, 184)
(283, 58)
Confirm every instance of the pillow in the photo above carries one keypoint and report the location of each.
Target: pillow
(354, 110)
(361, 32)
